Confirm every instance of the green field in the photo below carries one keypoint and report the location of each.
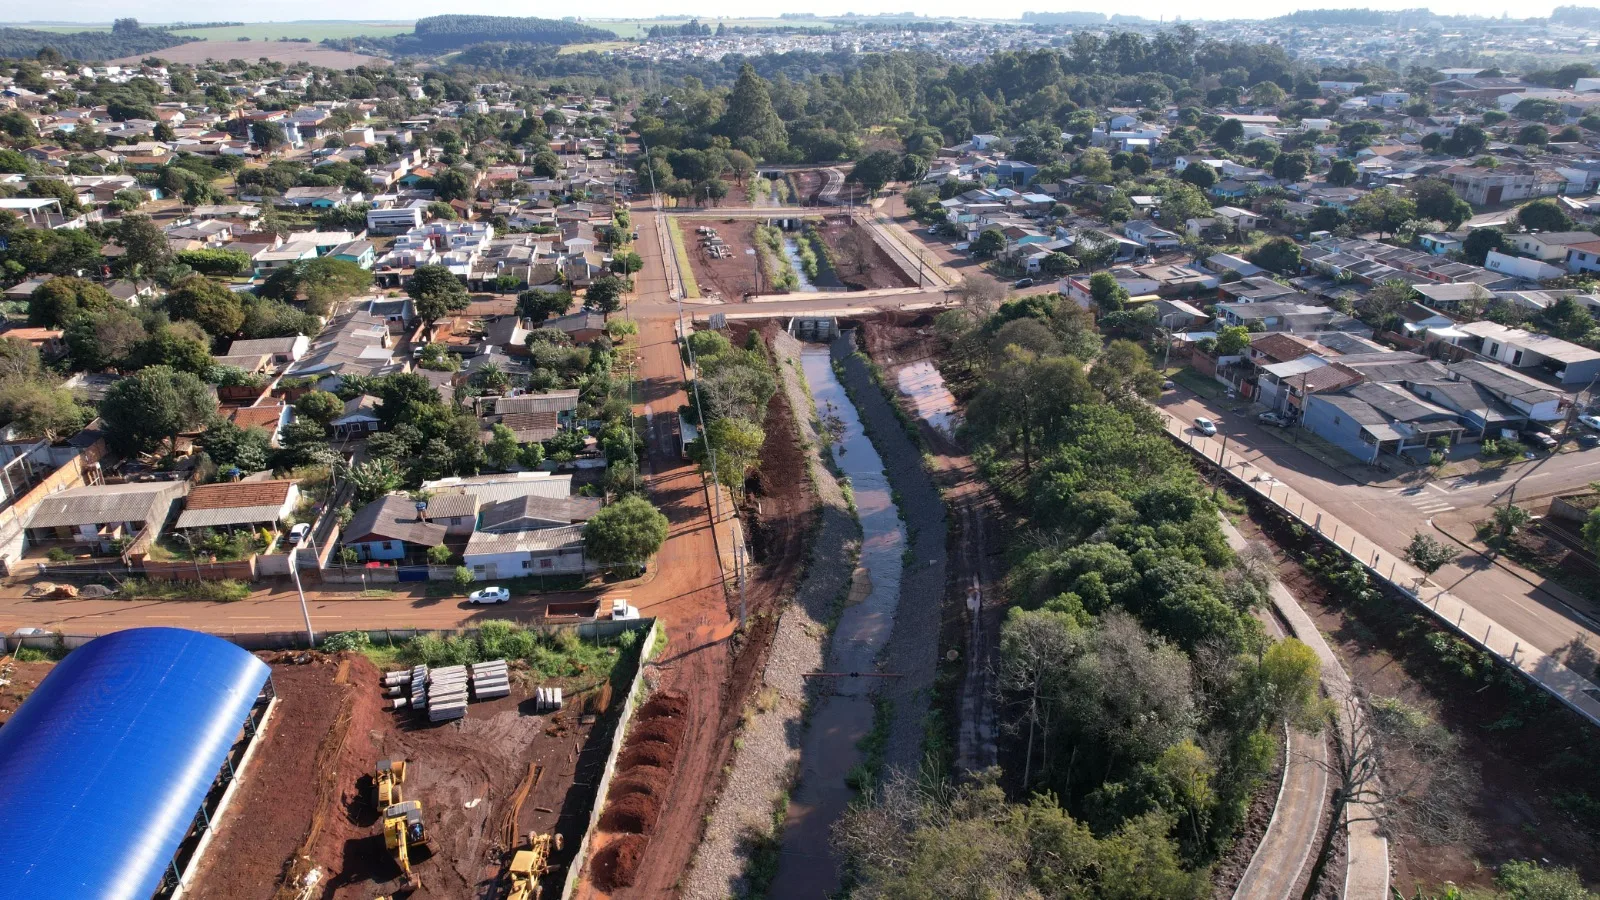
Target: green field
(263, 31)
(596, 47)
(638, 28)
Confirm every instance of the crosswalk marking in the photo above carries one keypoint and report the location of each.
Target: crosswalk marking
(1427, 503)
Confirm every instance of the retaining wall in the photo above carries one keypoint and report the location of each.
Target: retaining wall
(630, 703)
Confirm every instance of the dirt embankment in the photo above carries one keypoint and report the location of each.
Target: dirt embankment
(21, 679)
(633, 805)
(859, 262)
(722, 266)
(1482, 767)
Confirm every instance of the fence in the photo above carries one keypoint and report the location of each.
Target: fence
(599, 630)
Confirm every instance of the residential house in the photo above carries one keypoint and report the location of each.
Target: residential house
(269, 417)
(1295, 318)
(394, 528)
(1566, 363)
(352, 343)
(1372, 418)
(359, 252)
(1525, 396)
(582, 326)
(1584, 257)
(280, 351)
(103, 518)
(235, 505)
(360, 417)
(320, 197)
(1152, 236)
(1548, 246)
(1521, 267)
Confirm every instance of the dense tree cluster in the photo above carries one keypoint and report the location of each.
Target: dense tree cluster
(1143, 694)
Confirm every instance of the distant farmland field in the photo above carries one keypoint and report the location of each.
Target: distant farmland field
(281, 51)
(261, 31)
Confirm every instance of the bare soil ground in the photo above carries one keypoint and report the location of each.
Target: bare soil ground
(21, 678)
(250, 51)
(1522, 766)
(860, 263)
(309, 788)
(731, 276)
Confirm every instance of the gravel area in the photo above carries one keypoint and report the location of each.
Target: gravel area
(769, 743)
(913, 646)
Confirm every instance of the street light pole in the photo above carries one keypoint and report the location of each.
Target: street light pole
(294, 570)
(1222, 470)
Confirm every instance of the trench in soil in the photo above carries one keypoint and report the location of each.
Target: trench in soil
(844, 716)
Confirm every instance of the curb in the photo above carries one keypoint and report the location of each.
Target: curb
(1496, 560)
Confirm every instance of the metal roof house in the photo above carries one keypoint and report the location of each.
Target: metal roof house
(113, 769)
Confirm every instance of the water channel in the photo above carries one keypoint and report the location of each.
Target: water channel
(806, 869)
(791, 250)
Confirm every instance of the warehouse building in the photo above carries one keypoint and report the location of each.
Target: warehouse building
(113, 770)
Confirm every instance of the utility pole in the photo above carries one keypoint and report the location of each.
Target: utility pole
(1222, 470)
(294, 569)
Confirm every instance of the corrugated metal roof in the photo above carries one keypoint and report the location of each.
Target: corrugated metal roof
(101, 503)
(541, 541)
(104, 767)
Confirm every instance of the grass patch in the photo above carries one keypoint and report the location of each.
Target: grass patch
(227, 590)
(1205, 387)
(691, 290)
(34, 654)
(873, 745)
(596, 47)
(762, 869)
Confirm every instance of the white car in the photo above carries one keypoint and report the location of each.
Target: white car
(298, 533)
(489, 595)
(621, 610)
(1205, 426)
(1590, 421)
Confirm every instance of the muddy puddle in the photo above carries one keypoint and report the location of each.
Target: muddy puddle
(924, 386)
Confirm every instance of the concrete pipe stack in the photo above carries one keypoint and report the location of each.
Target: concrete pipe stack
(490, 680)
(447, 693)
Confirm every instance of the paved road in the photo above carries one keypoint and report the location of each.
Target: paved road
(1389, 515)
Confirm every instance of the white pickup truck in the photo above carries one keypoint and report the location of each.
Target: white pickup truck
(621, 610)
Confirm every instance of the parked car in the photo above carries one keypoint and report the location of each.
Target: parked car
(621, 610)
(489, 595)
(298, 533)
(1023, 283)
(1590, 421)
(1588, 440)
(1538, 440)
(1169, 385)
(1273, 419)
(1205, 426)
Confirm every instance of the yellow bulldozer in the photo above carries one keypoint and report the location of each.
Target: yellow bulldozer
(386, 782)
(528, 866)
(403, 832)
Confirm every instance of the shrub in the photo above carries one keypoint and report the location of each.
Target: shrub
(439, 555)
(346, 640)
(57, 554)
(464, 577)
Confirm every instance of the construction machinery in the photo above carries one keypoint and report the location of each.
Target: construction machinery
(403, 831)
(530, 865)
(386, 782)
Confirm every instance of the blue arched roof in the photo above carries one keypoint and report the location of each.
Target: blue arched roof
(104, 766)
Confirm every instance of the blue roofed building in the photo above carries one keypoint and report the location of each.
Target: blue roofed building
(113, 769)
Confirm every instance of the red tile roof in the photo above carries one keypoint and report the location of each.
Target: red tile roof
(238, 494)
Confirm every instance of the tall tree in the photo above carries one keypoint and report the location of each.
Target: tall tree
(628, 531)
(152, 406)
(208, 304)
(749, 121)
(435, 292)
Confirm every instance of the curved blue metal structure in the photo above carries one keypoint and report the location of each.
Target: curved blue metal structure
(107, 763)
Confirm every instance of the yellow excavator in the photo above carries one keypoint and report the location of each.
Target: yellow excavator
(403, 831)
(386, 782)
(528, 866)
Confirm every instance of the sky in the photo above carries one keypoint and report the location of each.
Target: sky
(287, 10)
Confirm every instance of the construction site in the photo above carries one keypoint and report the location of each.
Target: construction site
(733, 261)
(370, 784)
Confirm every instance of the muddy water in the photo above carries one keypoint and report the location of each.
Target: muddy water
(792, 251)
(806, 869)
(922, 383)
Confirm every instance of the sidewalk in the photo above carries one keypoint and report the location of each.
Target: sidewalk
(1577, 692)
(1292, 834)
